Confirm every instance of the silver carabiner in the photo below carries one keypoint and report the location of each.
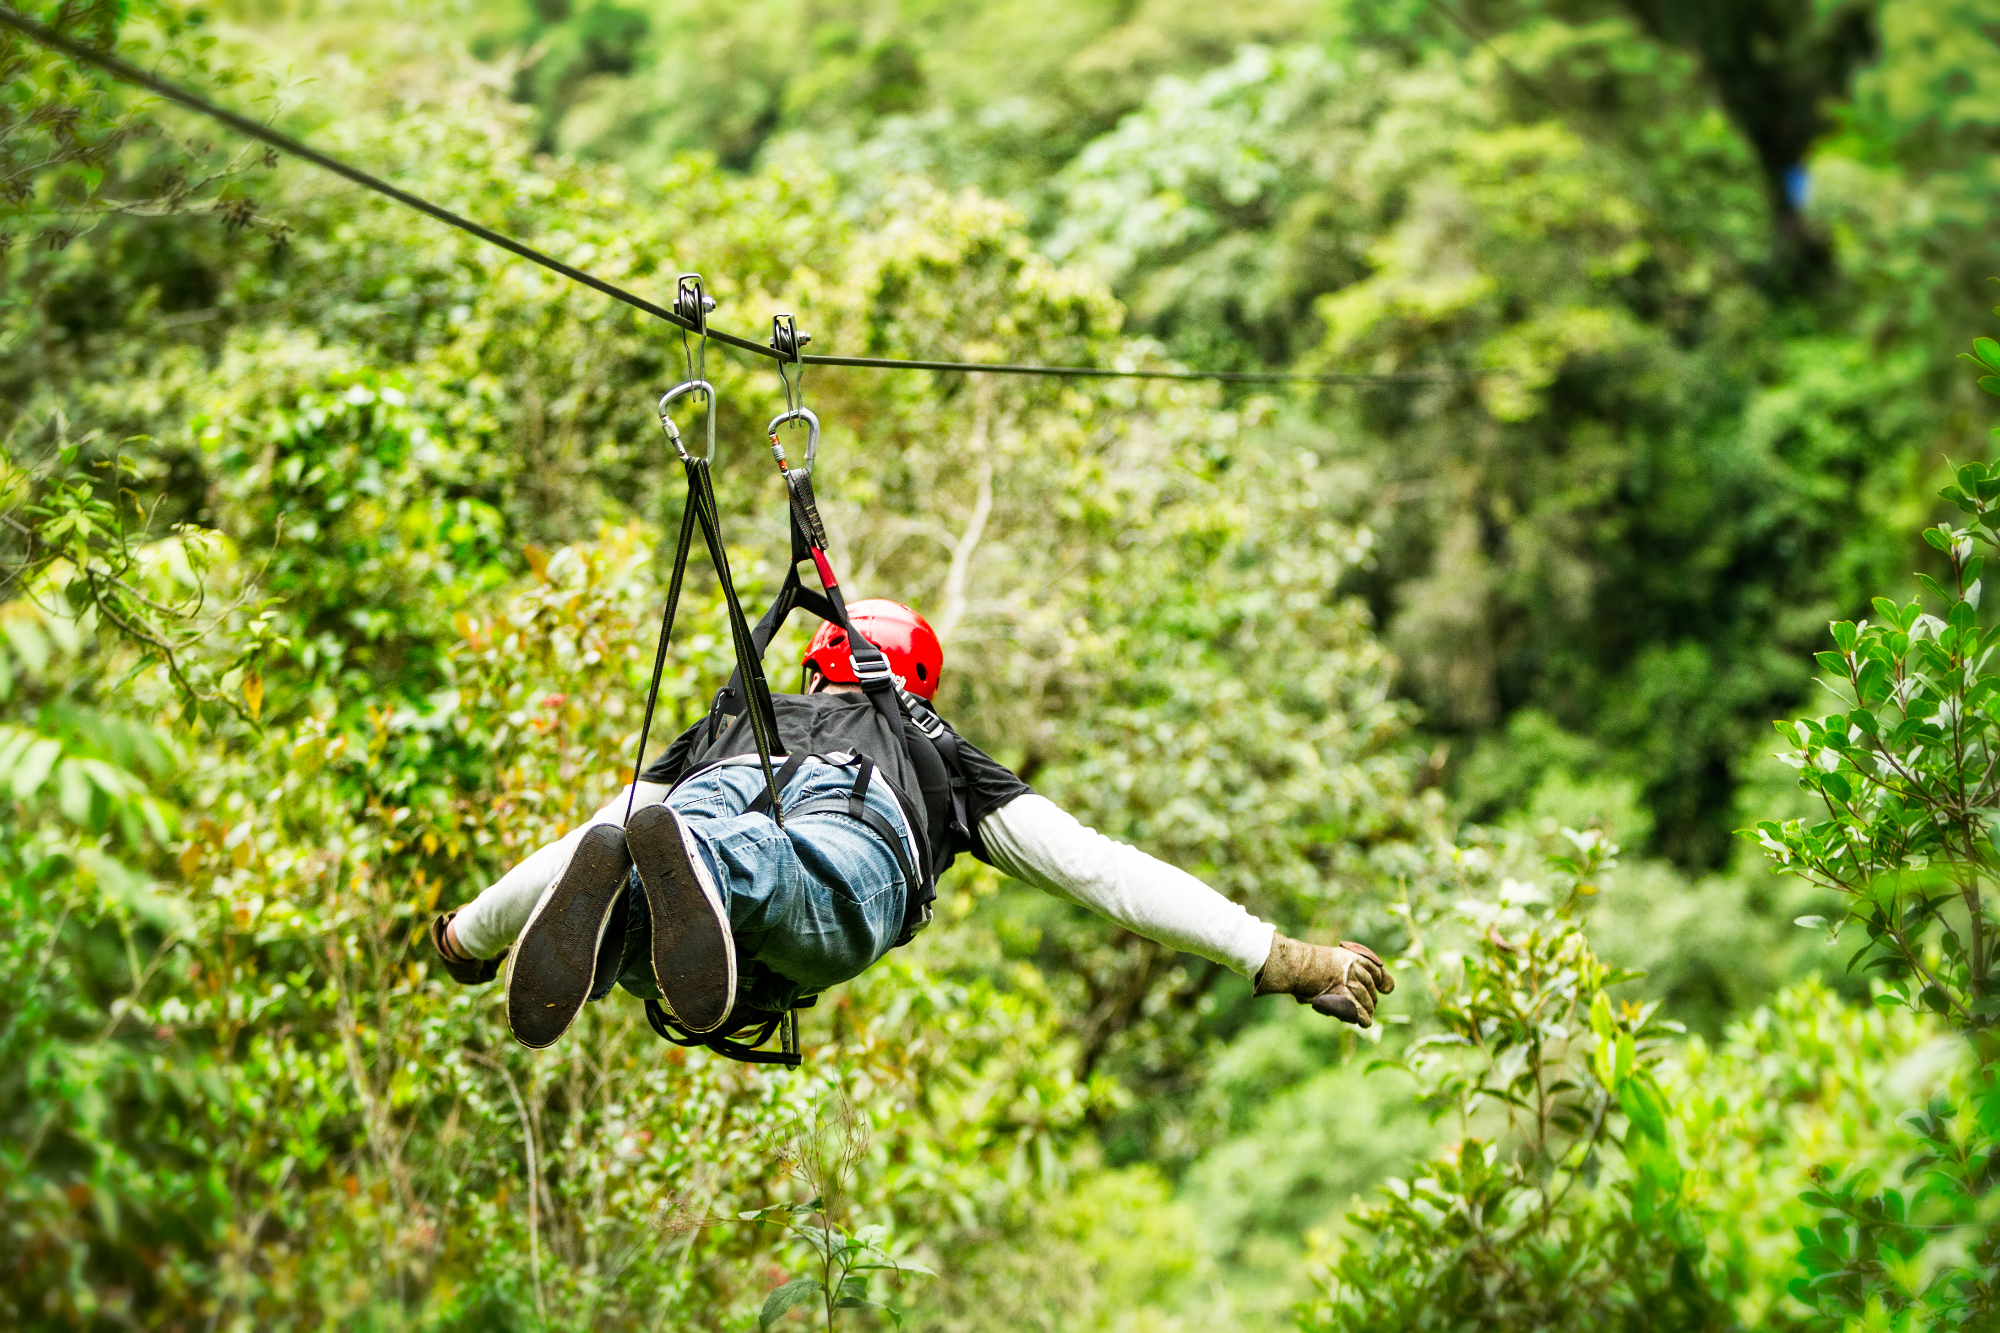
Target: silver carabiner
(812, 436)
(673, 431)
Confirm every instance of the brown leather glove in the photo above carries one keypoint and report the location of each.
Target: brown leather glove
(465, 971)
(1341, 980)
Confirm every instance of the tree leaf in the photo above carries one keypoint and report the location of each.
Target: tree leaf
(1644, 1105)
(796, 1292)
(895, 1315)
(33, 769)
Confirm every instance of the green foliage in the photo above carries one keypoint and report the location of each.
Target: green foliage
(826, 1157)
(335, 563)
(1807, 1077)
(1884, 1259)
(1643, 461)
(995, 95)
(1602, 1171)
(1565, 1202)
(77, 147)
(1906, 775)
(1902, 775)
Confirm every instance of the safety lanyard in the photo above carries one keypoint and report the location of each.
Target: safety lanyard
(808, 534)
(748, 685)
(701, 509)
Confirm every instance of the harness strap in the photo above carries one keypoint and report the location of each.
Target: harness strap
(681, 550)
(701, 508)
(946, 741)
(784, 780)
(749, 665)
(668, 1029)
(871, 667)
(855, 806)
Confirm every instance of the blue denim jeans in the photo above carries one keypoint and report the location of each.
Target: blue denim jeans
(810, 904)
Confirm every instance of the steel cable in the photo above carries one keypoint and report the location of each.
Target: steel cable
(173, 92)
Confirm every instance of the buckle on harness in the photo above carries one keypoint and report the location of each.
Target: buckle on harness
(872, 671)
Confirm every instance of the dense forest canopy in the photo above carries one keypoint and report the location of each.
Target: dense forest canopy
(334, 547)
(1664, 248)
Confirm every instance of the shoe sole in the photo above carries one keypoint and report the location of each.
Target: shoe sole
(694, 955)
(554, 963)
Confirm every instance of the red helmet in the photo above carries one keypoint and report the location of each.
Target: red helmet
(904, 637)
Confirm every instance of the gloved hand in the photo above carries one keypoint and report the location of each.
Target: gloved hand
(1341, 980)
(465, 971)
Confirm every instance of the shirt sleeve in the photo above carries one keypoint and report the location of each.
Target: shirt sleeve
(490, 922)
(1037, 843)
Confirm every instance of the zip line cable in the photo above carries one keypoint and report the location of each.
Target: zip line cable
(173, 92)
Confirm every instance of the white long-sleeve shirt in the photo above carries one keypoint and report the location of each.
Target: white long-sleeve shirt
(1029, 838)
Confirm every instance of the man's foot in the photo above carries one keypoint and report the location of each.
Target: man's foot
(694, 957)
(551, 968)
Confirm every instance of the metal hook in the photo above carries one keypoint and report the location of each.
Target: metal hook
(788, 342)
(812, 437)
(707, 390)
(693, 305)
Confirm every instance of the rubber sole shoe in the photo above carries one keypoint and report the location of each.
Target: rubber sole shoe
(694, 955)
(552, 966)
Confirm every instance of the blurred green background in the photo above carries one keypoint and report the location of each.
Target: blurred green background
(334, 545)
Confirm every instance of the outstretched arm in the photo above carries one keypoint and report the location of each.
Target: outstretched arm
(485, 927)
(1038, 843)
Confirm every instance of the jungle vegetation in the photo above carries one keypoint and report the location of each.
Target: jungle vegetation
(333, 549)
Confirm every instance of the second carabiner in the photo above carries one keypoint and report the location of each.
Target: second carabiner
(812, 436)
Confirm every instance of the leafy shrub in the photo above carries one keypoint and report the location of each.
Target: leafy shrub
(1563, 1203)
(1906, 773)
(1603, 1173)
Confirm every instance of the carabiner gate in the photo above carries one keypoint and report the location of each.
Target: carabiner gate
(798, 483)
(812, 437)
(707, 390)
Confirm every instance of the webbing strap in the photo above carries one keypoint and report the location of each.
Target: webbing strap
(785, 775)
(871, 667)
(701, 508)
(668, 1029)
(946, 742)
(681, 550)
(749, 664)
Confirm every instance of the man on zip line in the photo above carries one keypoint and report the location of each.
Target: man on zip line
(724, 912)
